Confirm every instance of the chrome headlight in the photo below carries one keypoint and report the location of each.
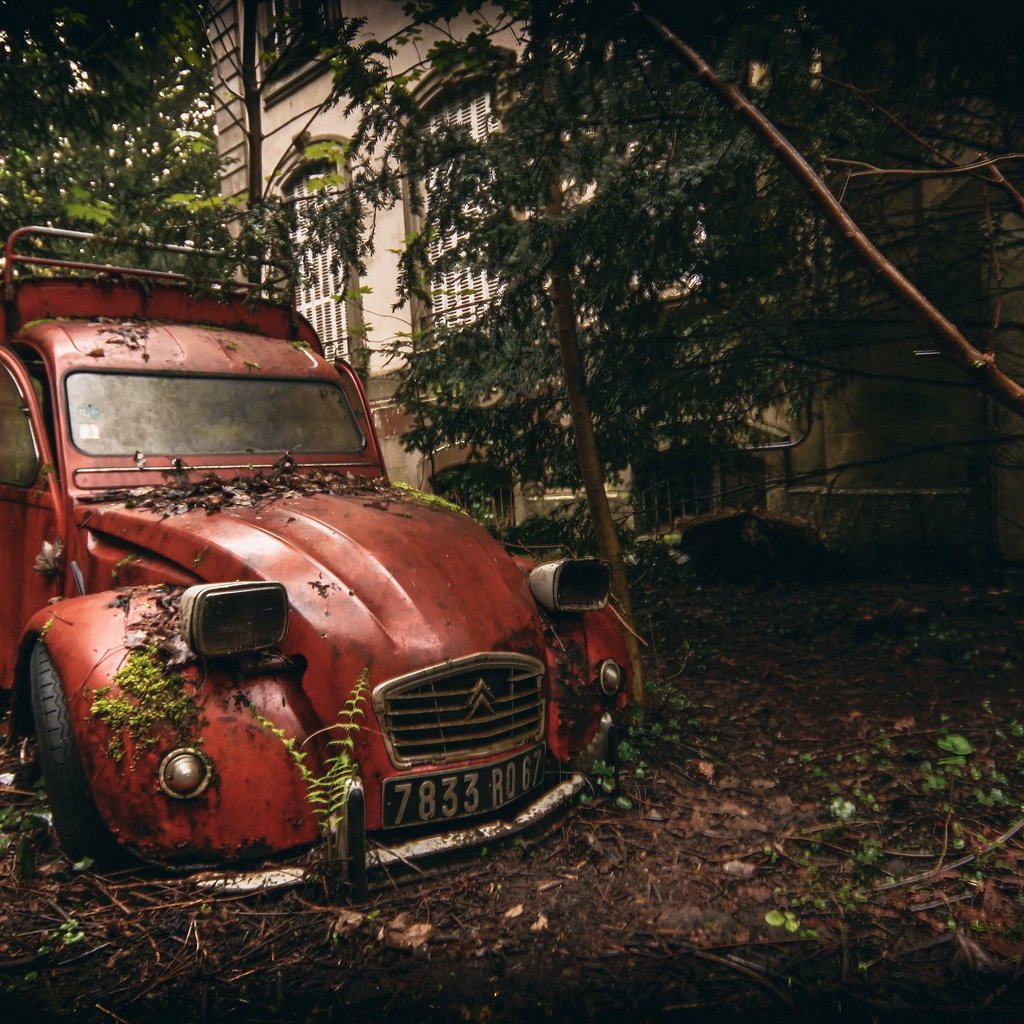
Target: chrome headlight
(609, 677)
(230, 618)
(572, 584)
(184, 773)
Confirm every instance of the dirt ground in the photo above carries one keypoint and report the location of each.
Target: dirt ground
(820, 815)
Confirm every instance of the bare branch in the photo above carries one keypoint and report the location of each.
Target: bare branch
(978, 363)
(991, 163)
(952, 170)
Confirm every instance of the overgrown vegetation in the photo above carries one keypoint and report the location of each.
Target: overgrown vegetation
(328, 791)
(109, 121)
(148, 700)
(23, 828)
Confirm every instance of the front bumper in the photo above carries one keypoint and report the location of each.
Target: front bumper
(380, 856)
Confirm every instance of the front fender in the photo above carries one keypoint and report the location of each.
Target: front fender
(576, 646)
(256, 801)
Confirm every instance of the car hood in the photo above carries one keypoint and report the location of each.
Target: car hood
(374, 585)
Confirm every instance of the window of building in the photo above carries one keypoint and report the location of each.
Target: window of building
(460, 294)
(19, 459)
(296, 30)
(320, 295)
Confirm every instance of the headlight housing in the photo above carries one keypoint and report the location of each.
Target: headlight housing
(229, 618)
(572, 584)
(609, 677)
(184, 773)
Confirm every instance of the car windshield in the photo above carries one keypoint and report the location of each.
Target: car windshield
(125, 413)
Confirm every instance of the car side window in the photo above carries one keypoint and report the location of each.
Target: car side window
(19, 456)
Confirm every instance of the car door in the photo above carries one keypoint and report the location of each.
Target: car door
(29, 517)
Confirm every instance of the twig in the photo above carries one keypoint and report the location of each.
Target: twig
(953, 865)
(110, 1013)
(625, 625)
(944, 902)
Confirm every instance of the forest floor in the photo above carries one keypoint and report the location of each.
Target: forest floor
(826, 819)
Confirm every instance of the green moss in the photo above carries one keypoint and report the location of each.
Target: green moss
(115, 573)
(149, 700)
(427, 499)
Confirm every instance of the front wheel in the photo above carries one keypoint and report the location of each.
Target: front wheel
(80, 829)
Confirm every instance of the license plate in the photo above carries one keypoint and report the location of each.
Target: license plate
(442, 796)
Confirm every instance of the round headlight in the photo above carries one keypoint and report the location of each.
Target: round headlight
(609, 677)
(184, 773)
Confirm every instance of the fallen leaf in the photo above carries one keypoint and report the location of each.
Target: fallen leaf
(540, 924)
(739, 869)
(401, 933)
(346, 923)
(513, 912)
(706, 769)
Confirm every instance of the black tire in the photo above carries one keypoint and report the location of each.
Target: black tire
(80, 829)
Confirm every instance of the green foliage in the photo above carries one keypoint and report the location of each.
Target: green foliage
(108, 120)
(328, 791)
(148, 700)
(789, 922)
(667, 721)
(63, 936)
(959, 803)
(24, 826)
(76, 67)
(706, 286)
(567, 529)
(955, 744)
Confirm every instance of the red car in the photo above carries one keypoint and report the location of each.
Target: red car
(221, 609)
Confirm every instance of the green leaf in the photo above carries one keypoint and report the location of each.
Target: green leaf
(775, 918)
(956, 744)
(96, 213)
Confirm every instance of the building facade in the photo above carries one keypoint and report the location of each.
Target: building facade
(877, 465)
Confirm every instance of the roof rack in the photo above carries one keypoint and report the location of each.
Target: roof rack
(13, 259)
(83, 287)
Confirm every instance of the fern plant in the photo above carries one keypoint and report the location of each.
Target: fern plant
(328, 792)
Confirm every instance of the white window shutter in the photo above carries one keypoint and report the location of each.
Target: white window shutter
(320, 296)
(460, 295)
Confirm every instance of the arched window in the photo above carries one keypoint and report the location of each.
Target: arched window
(320, 296)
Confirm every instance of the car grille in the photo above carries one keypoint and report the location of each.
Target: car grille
(471, 706)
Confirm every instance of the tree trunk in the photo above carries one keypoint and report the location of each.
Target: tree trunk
(591, 471)
(253, 103)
